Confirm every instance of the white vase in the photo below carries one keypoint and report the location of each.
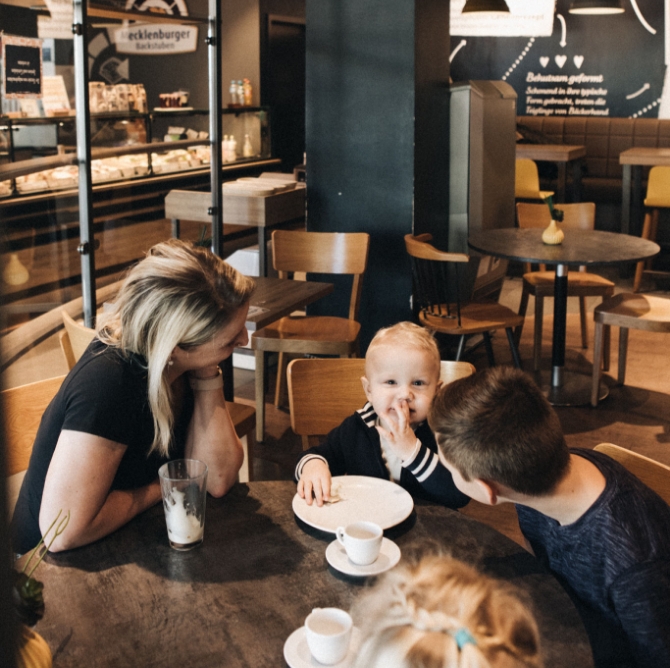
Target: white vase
(553, 235)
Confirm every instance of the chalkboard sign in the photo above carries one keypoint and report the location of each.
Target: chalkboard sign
(22, 65)
(563, 64)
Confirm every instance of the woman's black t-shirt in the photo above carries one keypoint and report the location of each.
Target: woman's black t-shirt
(105, 394)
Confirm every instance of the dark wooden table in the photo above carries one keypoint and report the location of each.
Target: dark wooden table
(275, 298)
(633, 160)
(562, 155)
(130, 600)
(580, 247)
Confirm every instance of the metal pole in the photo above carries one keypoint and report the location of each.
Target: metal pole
(215, 106)
(83, 125)
(216, 163)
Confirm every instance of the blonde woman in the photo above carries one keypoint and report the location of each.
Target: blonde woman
(442, 613)
(146, 390)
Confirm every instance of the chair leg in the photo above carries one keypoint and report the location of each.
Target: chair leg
(597, 361)
(639, 268)
(582, 318)
(623, 351)
(607, 338)
(280, 385)
(513, 348)
(489, 348)
(260, 395)
(537, 336)
(523, 307)
(461, 345)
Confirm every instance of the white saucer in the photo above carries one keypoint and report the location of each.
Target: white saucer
(297, 654)
(389, 556)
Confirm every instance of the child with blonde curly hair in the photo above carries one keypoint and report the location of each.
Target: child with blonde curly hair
(442, 613)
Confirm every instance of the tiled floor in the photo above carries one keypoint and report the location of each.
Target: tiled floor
(636, 416)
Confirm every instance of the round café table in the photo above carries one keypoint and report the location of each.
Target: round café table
(579, 248)
(131, 600)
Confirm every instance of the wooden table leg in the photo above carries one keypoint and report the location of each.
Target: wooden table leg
(260, 396)
(625, 200)
(560, 195)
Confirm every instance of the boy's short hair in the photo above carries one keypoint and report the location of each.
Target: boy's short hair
(497, 425)
(407, 334)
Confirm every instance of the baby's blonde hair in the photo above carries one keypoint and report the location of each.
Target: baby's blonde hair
(442, 613)
(409, 335)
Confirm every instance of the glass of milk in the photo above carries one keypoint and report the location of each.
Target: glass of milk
(184, 488)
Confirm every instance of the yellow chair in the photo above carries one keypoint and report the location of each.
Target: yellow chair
(296, 251)
(527, 181)
(540, 284)
(323, 392)
(74, 339)
(626, 311)
(437, 280)
(653, 474)
(658, 197)
(22, 409)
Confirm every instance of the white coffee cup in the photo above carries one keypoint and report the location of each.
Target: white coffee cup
(328, 633)
(362, 541)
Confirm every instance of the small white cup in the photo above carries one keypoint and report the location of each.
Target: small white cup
(362, 541)
(328, 634)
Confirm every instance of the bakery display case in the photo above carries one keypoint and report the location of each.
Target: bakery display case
(127, 145)
(82, 197)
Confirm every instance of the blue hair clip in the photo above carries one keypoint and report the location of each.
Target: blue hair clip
(463, 637)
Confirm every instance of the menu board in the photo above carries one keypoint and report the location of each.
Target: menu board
(563, 64)
(22, 67)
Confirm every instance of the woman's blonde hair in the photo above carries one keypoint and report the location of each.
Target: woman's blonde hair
(442, 613)
(178, 295)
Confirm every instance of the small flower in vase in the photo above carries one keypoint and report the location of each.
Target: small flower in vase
(26, 590)
(553, 235)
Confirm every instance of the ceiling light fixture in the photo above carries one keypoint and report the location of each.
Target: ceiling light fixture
(498, 6)
(596, 7)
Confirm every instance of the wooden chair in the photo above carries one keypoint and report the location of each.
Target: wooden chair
(437, 277)
(658, 197)
(626, 311)
(323, 392)
(22, 408)
(74, 339)
(527, 181)
(653, 474)
(296, 251)
(540, 284)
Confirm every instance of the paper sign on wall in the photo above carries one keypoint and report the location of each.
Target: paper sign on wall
(22, 71)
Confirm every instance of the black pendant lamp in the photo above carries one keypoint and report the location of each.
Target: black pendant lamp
(596, 7)
(486, 6)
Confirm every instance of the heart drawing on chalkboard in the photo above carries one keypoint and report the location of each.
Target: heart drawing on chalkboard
(544, 61)
(578, 60)
(560, 60)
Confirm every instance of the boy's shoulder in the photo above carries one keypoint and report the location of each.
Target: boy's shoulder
(627, 515)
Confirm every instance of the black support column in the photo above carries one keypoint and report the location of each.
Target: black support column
(377, 137)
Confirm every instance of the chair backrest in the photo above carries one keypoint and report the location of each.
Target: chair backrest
(653, 474)
(526, 179)
(78, 338)
(658, 187)
(441, 281)
(323, 392)
(323, 253)
(578, 216)
(22, 409)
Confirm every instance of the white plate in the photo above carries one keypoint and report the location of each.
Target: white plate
(297, 654)
(389, 556)
(363, 499)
